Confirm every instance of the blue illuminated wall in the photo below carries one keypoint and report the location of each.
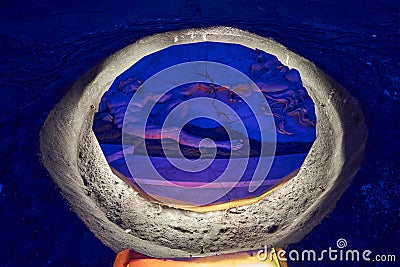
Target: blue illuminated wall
(46, 45)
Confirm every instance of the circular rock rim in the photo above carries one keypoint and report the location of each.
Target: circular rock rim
(122, 219)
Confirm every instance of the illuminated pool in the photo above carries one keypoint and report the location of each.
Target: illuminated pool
(207, 130)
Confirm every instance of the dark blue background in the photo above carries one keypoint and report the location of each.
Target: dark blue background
(46, 45)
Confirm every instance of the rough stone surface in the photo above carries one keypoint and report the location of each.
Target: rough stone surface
(74, 159)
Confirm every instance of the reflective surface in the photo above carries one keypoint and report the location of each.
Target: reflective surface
(228, 114)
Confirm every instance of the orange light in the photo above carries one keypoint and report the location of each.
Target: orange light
(240, 259)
